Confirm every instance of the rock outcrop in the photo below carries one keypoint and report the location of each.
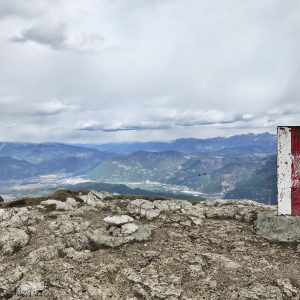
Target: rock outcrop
(278, 228)
(92, 246)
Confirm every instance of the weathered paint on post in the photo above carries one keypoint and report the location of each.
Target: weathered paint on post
(284, 170)
(288, 170)
(295, 156)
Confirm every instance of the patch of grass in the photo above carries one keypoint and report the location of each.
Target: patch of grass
(63, 194)
(134, 197)
(194, 201)
(60, 195)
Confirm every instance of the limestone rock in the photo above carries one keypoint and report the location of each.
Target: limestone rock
(30, 288)
(288, 289)
(6, 291)
(258, 291)
(11, 274)
(146, 283)
(44, 254)
(278, 228)
(173, 250)
(151, 210)
(101, 194)
(243, 210)
(94, 199)
(124, 230)
(118, 220)
(58, 205)
(79, 241)
(65, 225)
(128, 229)
(221, 259)
(77, 256)
(72, 202)
(227, 212)
(14, 217)
(142, 234)
(13, 239)
(143, 208)
(98, 239)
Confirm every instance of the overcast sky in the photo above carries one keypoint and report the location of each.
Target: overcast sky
(118, 70)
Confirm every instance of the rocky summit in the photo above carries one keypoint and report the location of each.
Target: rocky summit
(97, 246)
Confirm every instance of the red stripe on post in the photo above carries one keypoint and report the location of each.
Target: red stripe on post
(295, 190)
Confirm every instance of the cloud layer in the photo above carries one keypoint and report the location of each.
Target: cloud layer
(45, 34)
(138, 70)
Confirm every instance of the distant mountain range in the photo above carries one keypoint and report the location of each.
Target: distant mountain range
(260, 186)
(51, 158)
(11, 168)
(228, 176)
(245, 143)
(242, 166)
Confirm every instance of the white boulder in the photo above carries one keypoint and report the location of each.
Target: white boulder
(12, 239)
(93, 199)
(30, 288)
(124, 230)
(118, 220)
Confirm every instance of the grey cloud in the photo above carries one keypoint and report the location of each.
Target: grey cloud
(53, 108)
(12, 108)
(23, 9)
(132, 128)
(286, 109)
(124, 128)
(58, 37)
(54, 36)
(186, 119)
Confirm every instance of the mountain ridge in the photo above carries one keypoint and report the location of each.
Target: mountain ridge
(213, 167)
(268, 143)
